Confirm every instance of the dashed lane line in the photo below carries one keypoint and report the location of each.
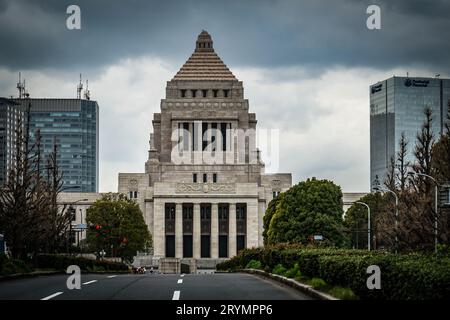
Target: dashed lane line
(52, 296)
(89, 282)
(180, 281)
(109, 277)
(176, 295)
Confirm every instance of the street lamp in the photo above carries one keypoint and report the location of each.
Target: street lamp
(368, 222)
(396, 212)
(436, 186)
(80, 232)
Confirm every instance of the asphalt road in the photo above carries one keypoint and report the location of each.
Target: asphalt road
(149, 287)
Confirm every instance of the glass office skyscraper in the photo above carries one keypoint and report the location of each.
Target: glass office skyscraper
(73, 125)
(10, 114)
(397, 105)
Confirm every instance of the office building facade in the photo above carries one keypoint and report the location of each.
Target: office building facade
(73, 125)
(11, 116)
(397, 106)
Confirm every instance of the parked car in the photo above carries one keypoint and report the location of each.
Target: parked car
(139, 270)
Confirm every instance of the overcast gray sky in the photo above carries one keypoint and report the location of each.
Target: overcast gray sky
(306, 67)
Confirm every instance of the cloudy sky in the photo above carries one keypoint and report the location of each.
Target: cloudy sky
(306, 67)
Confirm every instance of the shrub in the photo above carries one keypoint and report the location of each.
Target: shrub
(12, 266)
(403, 277)
(317, 283)
(279, 269)
(254, 264)
(342, 293)
(293, 272)
(3, 259)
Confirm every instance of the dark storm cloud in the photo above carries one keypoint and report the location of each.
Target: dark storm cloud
(313, 33)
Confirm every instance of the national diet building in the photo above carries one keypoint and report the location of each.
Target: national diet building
(204, 191)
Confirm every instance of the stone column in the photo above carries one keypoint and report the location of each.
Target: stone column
(196, 233)
(252, 224)
(232, 231)
(215, 231)
(159, 236)
(261, 211)
(179, 230)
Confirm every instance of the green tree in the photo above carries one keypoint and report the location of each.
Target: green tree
(270, 211)
(441, 169)
(117, 226)
(309, 208)
(355, 219)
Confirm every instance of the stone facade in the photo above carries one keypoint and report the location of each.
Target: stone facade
(204, 191)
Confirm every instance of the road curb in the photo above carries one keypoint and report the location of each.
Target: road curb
(29, 275)
(50, 273)
(291, 283)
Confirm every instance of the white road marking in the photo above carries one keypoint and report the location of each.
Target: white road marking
(176, 295)
(182, 275)
(180, 281)
(52, 296)
(112, 276)
(89, 282)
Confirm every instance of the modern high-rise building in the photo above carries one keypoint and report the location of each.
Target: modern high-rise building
(397, 106)
(73, 125)
(10, 114)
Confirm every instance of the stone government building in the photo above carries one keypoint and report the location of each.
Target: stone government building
(204, 191)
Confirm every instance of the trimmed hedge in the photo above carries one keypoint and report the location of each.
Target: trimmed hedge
(10, 266)
(60, 262)
(403, 277)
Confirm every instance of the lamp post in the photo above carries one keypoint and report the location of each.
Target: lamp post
(436, 186)
(80, 229)
(368, 222)
(396, 212)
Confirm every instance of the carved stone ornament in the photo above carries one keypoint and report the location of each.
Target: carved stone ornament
(205, 188)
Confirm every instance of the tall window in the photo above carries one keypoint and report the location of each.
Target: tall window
(185, 136)
(204, 137)
(214, 177)
(214, 136)
(241, 211)
(215, 92)
(194, 92)
(183, 93)
(225, 93)
(170, 211)
(194, 178)
(205, 178)
(205, 93)
(223, 132)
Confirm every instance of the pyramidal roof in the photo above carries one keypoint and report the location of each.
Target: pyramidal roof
(204, 63)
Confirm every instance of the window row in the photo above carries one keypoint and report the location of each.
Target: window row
(133, 194)
(213, 136)
(205, 211)
(204, 93)
(204, 178)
